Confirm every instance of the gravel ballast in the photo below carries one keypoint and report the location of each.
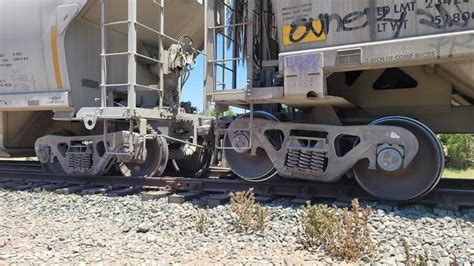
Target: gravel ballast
(50, 228)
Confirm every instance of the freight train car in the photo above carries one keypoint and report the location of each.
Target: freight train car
(95, 84)
(354, 88)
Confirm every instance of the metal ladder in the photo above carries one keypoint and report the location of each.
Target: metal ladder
(131, 53)
(213, 30)
(213, 63)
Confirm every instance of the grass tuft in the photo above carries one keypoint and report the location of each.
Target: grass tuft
(346, 236)
(420, 260)
(202, 221)
(251, 216)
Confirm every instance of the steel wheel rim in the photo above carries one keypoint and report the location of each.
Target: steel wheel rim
(154, 164)
(250, 168)
(198, 165)
(420, 177)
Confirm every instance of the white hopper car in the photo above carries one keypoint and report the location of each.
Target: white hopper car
(69, 64)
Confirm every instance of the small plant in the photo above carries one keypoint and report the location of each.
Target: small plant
(319, 224)
(354, 239)
(345, 236)
(261, 216)
(251, 216)
(242, 204)
(420, 260)
(202, 221)
(406, 248)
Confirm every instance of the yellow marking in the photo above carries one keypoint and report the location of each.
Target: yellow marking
(54, 52)
(301, 30)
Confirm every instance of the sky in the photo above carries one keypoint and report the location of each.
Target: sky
(193, 90)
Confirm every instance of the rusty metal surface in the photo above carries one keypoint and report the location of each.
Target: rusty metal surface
(449, 192)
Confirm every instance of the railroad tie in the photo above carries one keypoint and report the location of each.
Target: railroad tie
(95, 191)
(217, 199)
(124, 191)
(69, 190)
(182, 197)
(154, 195)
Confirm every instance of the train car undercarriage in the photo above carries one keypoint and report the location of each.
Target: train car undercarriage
(384, 157)
(330, 91)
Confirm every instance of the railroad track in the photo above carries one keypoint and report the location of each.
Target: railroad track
(23, 166)
(449, 194)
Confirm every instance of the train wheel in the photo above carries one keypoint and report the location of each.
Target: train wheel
(198, 164)
(53, 168)
(396, 183)
(155, 162)
(251, 168)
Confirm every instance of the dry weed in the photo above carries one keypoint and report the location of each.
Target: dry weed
(202, 221)
(319, 224)
(251, 216)
(242, 204)
(354, 239)
(261, 215)
(345, 236)
(420, 260)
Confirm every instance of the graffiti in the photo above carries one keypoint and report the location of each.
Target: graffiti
(352, 21)
(391, 20)
(303, 64)
(432, 3)
(309, 28)
(444, 19)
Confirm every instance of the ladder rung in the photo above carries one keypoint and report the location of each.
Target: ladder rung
(115, 54)
(226, 60)
(158, 4)
(230, 25)
(148, 58)
(147, 87)
(149, 28)
(116, 23)
(115, 85)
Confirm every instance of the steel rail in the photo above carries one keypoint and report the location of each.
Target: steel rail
(26, 166)
(449, 192)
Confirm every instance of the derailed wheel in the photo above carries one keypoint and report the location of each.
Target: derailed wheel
(198, 164)
(155, 162)
(252, 168)
(391, 182)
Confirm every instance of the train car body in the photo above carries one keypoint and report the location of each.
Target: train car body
(352, 43)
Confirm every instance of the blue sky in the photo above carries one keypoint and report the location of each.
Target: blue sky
(193, 90)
